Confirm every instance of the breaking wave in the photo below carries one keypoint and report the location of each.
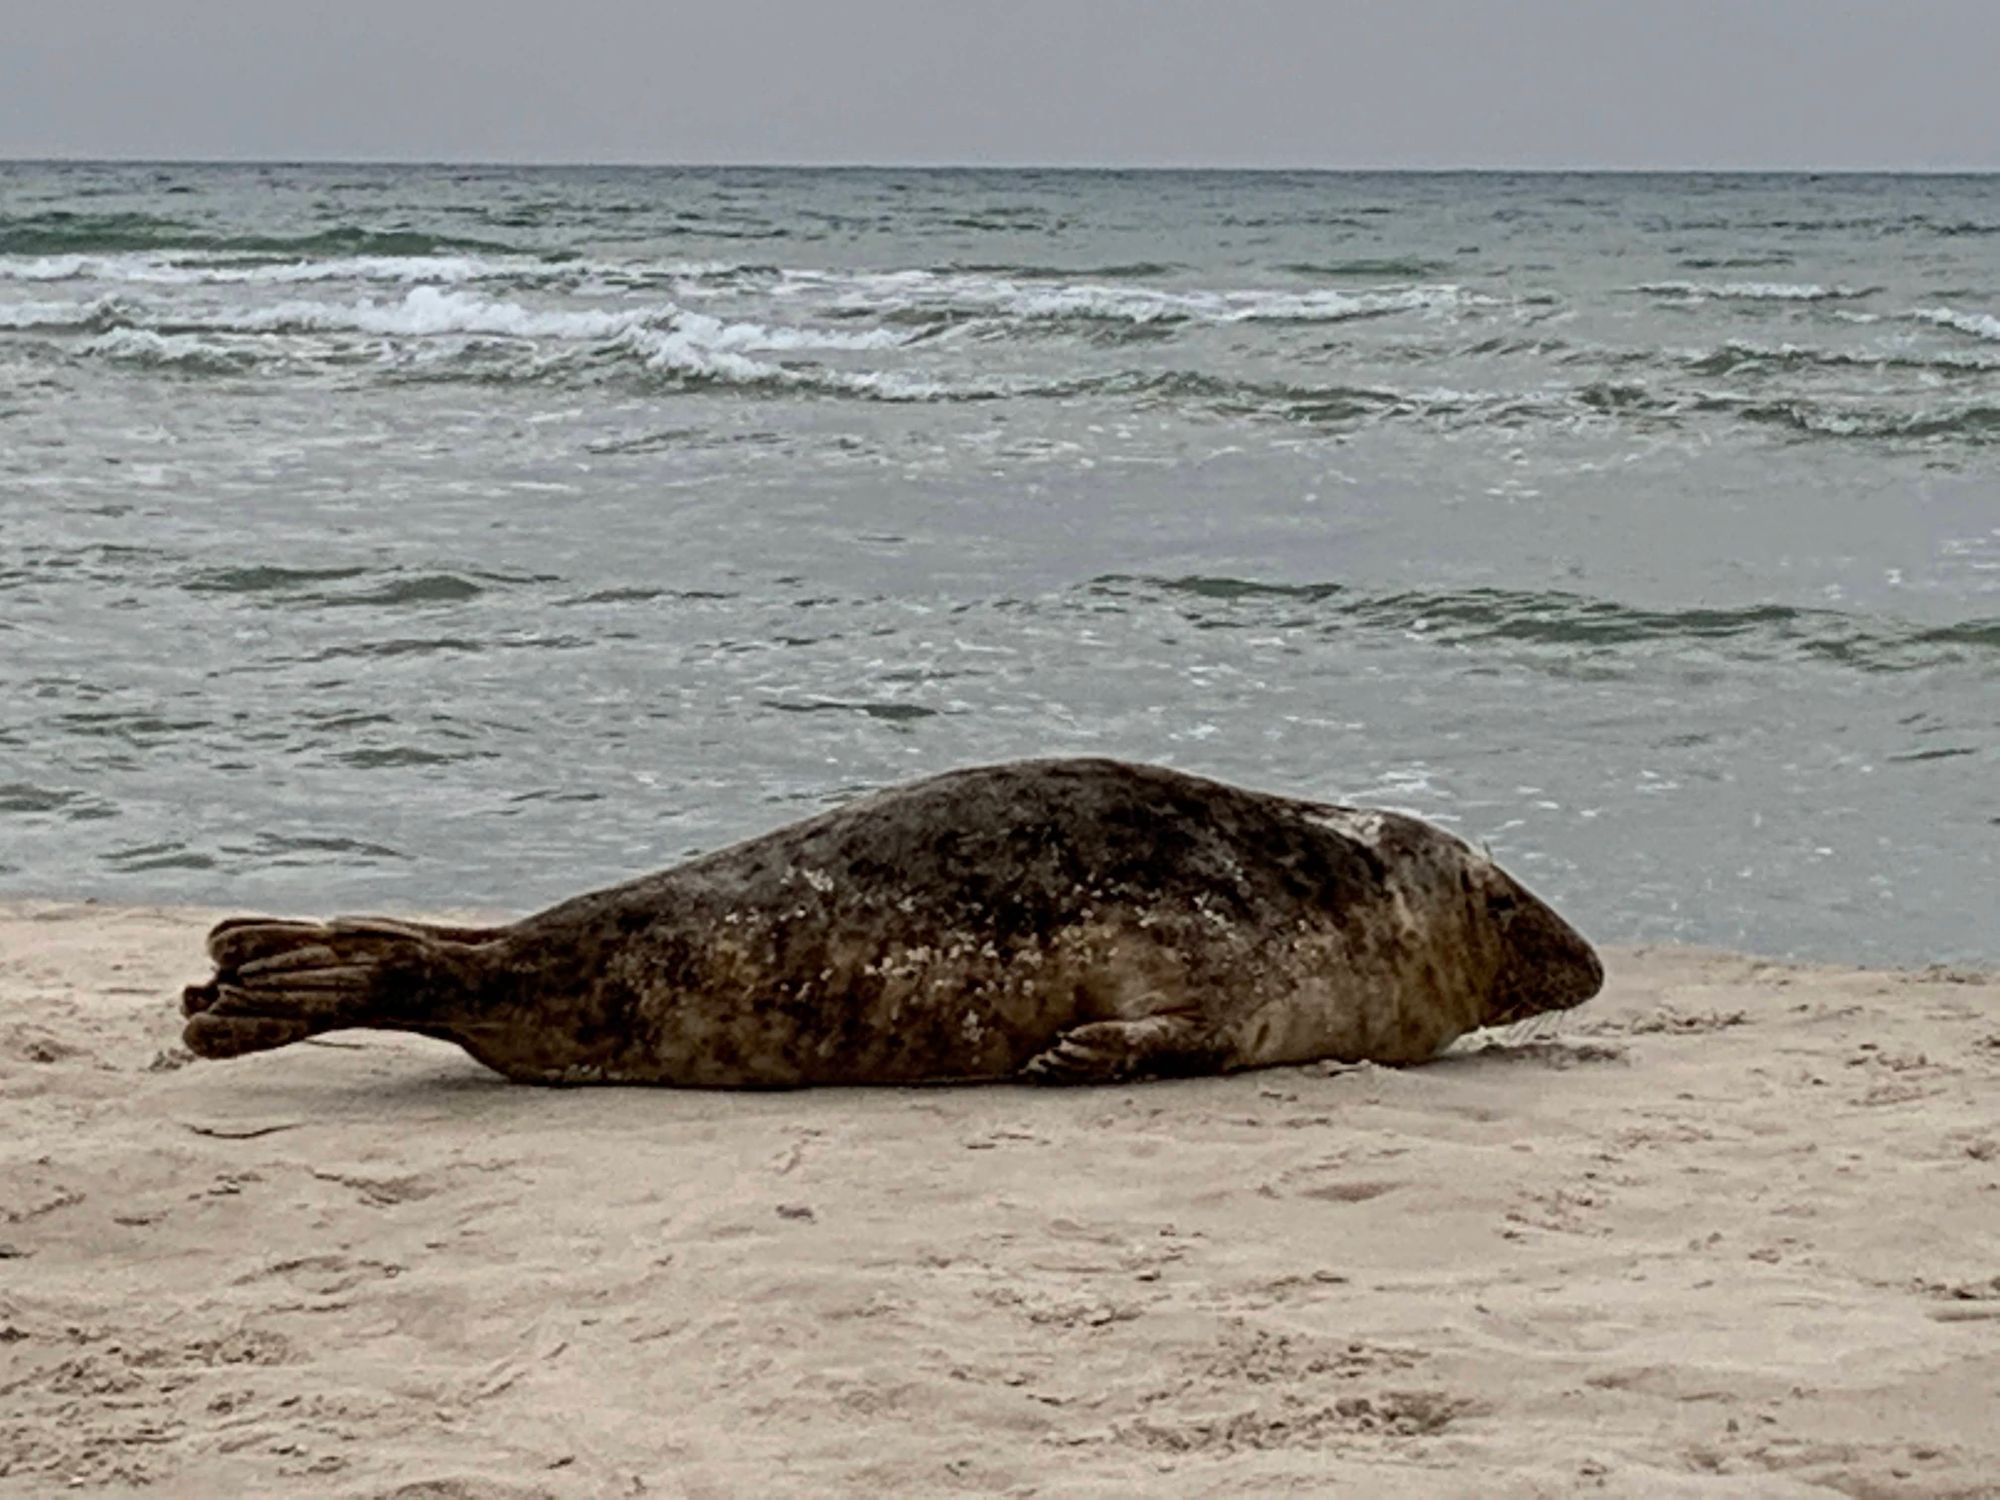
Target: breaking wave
(1979, 325)
(929, 294)
(97, 315)
(443, 333)
(436, 334)
(153, 268)
(429, 311)
(170, 351)
(156, 292)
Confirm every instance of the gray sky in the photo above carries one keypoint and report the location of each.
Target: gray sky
(1392, 83)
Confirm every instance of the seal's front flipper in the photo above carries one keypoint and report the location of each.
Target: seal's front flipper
(278, 982)
(1113, 1051)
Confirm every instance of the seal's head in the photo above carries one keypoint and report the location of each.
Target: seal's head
(1544, 964)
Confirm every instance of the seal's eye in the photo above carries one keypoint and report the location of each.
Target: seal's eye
(1502, 901)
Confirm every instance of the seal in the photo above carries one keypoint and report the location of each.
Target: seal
(1050, 920)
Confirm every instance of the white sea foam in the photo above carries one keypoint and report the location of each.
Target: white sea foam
(677, 351)
(1753, 291)
(47, 314)
(37, 314)
(720, 335)
(219, 268)
(702, 349)
(156, 268)
(1979, 325)
(453, 269)
(143, 342)
(697, 269)
(144, 346)
(918, 292)
(44, 267)
(1333, 307)
(946, 293)
(430, 310)
(662, 335)
(427, 310)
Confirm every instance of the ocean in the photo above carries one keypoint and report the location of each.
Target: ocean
(407, 537)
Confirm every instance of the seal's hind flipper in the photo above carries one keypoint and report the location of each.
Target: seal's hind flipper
(1114, 1051)
(278, 982)
(241, 940)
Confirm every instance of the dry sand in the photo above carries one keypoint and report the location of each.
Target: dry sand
(1733, 1231)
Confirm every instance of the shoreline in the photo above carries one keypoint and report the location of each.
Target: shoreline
(16, 904)
(1727, 1230)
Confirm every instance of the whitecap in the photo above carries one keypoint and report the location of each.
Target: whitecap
(703, 349)
(931, 292)
(139, 267)
(1979, 325)
(39, 314)
(99, 312)
(430, 310)
(193, 268)
(42, 267)
(426, 311)
(450, 269)
(741, 335)
(680, 352)
(173, 350)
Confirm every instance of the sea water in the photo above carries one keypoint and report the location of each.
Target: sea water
(390, 537)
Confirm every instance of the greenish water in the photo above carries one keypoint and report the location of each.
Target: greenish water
(408, 537)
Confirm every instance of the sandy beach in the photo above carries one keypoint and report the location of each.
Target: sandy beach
(1732, 1230)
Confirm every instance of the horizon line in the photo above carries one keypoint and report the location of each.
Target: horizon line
(633, 164)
